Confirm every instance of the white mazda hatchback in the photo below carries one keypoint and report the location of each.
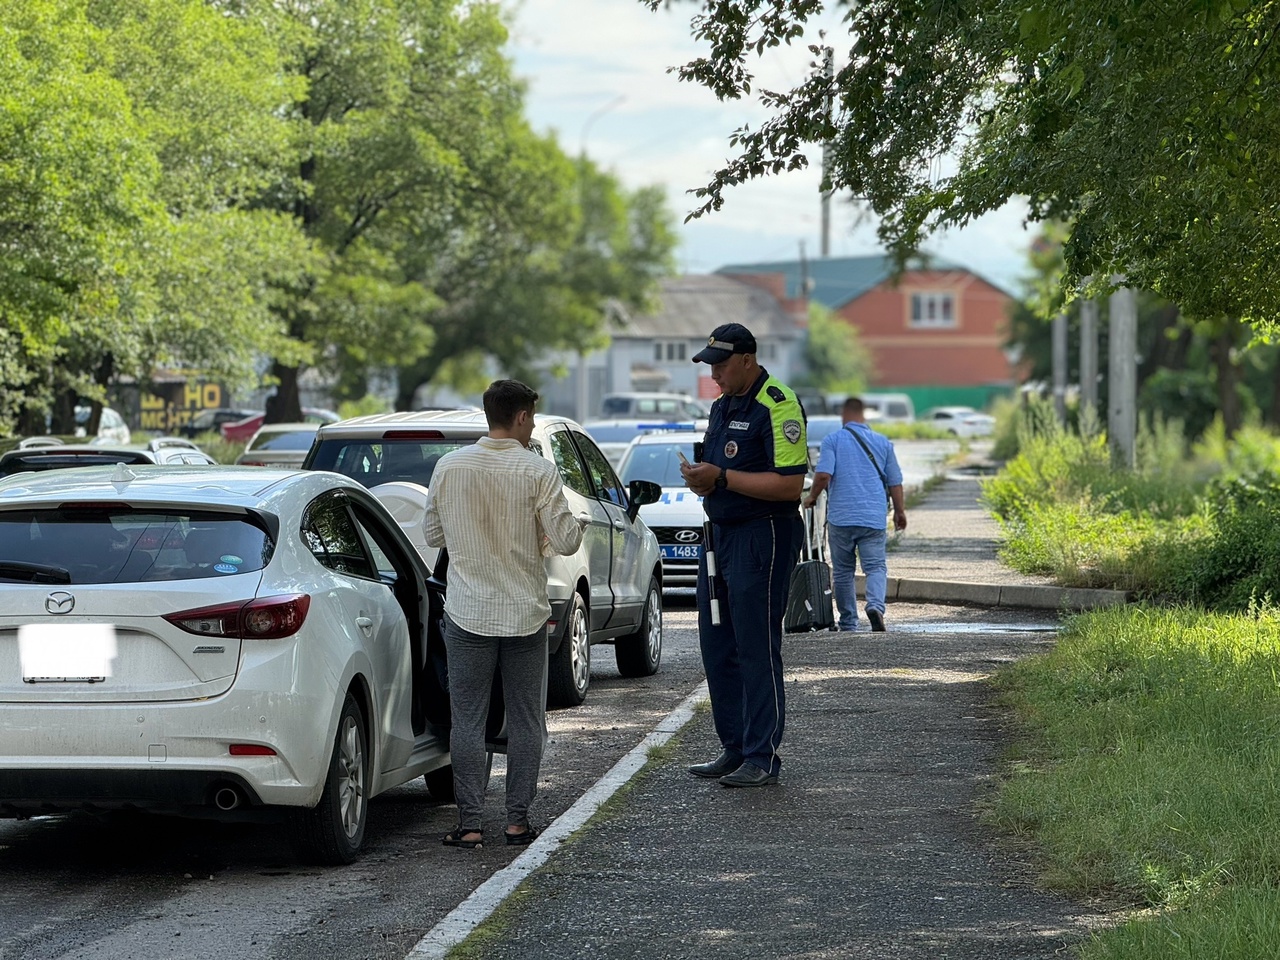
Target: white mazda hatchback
(222, 641)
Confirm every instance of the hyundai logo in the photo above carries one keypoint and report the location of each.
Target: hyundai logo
(687, 536)
(59, 602)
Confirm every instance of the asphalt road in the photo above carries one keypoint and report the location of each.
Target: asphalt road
(145, 888)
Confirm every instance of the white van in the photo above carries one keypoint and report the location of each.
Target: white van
(889, 407)
(651, 406)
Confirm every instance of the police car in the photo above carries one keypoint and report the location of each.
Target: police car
(677, 516)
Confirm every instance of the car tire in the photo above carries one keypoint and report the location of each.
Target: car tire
(569, 668)
(440, 783)
(639, 654)
(332, 831)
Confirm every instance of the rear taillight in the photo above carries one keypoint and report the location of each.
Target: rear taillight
(251, 750)
(268, 618)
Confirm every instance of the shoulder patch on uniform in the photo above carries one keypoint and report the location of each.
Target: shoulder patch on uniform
(791, 430)
(775, 393)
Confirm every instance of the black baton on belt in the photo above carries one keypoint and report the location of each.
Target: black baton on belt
(708, 548)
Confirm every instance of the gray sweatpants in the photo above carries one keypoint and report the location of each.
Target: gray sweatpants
(473, 659)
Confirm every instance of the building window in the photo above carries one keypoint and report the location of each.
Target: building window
(767, 351)
(933, 310)
(670, 351)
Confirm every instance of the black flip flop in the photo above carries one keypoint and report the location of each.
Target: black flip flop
(454, 839)
(522, 839)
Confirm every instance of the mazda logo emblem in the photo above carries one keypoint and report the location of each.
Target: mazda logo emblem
(687, 536)
(59, 602)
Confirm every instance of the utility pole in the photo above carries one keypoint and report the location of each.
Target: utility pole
(1060, 365)
(1088, 355)
(1122, 376)
(830, 71)
(583, 399)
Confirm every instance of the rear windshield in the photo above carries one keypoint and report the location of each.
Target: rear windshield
(297, 440)
(658, 462)
(110, 544)
(372, 462)
(35, 460)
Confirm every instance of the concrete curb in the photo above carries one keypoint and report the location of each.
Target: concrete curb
(1030, 596)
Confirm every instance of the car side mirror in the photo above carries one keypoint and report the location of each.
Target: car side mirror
(640, 492)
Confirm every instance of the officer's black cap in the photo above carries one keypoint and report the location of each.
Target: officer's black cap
(726, 340)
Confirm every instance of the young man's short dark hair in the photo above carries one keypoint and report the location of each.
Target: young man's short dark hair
(506, 398)
(854, 406)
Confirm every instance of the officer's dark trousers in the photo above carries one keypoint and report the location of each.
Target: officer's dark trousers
(743, 655)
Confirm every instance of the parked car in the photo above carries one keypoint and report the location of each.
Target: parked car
(609, 591)
(57, 456)
(651, 406)
(676, 517)
(278, 445)
(817, 428)
(888, 407)
(111, 426)
(964, 422)
(246, 428)
(243, 644)
(212, 419)
(615, 436)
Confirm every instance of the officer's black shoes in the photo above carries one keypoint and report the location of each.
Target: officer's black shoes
(749, 775)
(725, 763)
(877, 621)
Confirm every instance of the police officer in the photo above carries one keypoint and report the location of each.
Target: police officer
(751, 475)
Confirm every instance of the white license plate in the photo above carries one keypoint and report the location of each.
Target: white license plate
(681, 551)
(66, 652)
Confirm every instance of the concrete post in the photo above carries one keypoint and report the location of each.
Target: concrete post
(1060, 366)
(584, 391)
(1088, 355)
(1122, 376)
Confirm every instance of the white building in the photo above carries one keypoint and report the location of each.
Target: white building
(654, 351)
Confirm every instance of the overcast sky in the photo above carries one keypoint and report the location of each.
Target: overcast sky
(597, 75)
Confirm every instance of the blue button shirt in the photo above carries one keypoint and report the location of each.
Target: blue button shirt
(856, 495)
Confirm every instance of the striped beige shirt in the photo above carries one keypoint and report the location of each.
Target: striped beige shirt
(491, 505)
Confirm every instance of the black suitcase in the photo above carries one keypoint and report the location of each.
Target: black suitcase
(810, 604)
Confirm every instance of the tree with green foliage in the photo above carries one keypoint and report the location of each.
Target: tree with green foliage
(1190, 370)
(445, 223)
(133, 131)
(544, 266)
(1149, 126)
(835, 358)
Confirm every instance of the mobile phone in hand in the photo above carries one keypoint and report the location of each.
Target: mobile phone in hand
(683, 458)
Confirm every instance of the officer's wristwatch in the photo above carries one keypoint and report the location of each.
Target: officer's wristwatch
(722, 481)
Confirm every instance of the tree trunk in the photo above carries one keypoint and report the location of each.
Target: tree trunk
(1273, 414)
(1228, 377)
(285, 406)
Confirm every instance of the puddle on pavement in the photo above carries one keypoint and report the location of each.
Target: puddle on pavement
(977, 627)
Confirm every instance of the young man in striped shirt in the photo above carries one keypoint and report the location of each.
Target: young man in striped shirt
(498, 508)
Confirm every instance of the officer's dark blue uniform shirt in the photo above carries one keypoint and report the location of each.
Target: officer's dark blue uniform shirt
(763, 430)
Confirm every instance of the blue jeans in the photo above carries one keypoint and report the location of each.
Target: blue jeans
(869, 545)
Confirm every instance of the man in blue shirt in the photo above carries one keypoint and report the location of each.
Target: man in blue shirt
(859, 470)
(751, 476)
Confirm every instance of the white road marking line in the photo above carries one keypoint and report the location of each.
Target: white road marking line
(486, 898)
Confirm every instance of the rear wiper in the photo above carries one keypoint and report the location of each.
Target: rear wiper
(23, 572)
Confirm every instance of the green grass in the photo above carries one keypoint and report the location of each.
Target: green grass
(1150, 770)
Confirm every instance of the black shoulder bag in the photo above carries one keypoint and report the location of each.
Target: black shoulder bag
(888, 501)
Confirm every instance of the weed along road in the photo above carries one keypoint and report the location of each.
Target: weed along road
(148, 888)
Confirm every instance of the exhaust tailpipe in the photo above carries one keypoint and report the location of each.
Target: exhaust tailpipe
(227, 798)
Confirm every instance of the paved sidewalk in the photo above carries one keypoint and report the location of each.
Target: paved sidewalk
(872, 845)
